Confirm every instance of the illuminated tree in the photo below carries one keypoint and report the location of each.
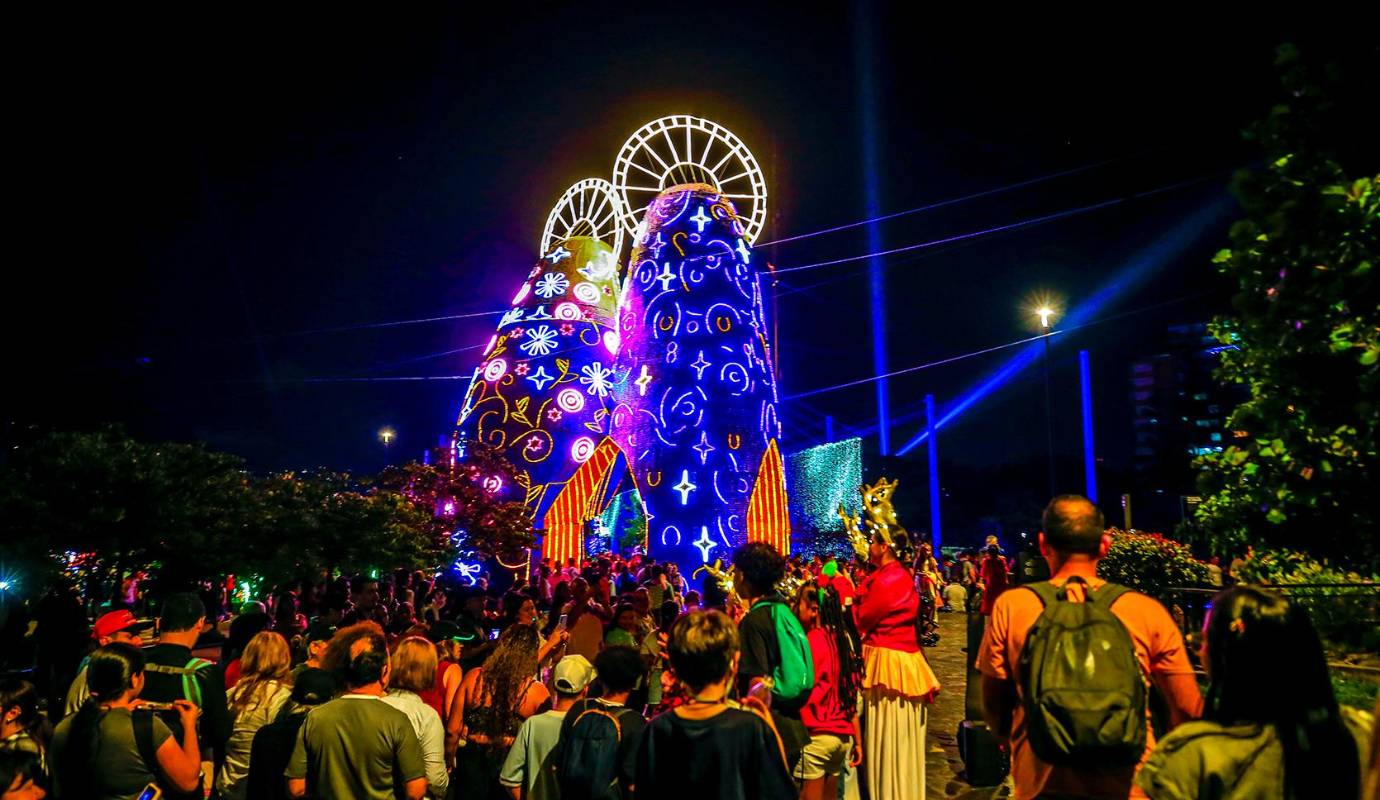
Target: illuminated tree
(1304, 337)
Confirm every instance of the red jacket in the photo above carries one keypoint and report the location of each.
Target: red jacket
(886, 609)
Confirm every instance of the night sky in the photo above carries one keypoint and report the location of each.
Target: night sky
(211, 193)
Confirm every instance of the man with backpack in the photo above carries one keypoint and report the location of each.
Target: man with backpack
(173, 673)
(775, 655)
(1066, 665)
(596, 757)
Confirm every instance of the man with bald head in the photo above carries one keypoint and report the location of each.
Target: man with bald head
(1073, 539)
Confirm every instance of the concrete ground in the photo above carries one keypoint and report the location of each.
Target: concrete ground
(943, 768)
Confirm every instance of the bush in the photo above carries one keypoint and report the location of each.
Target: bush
(1343, 615)
(1150, 563)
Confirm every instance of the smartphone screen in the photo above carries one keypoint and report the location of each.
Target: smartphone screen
(151, 792)
(561, 625)
(493, 634)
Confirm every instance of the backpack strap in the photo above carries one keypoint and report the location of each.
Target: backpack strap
(612, 717)
(1109, 593)
(1047, 592)
(143, 740)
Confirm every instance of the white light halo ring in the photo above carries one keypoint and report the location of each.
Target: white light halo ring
(640, 161)
(590, 196)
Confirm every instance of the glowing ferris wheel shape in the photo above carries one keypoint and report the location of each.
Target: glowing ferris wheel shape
(684, 149)
(588, 208)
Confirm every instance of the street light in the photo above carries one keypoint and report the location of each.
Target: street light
(387, 435)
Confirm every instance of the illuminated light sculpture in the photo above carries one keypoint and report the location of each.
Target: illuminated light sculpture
(544, 392)
(698, 422)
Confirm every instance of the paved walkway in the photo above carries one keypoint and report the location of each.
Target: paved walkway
(943, 769)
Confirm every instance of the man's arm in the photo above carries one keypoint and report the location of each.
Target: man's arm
(416, 789)
(297, 787)
(1182, 696)
(998, 705)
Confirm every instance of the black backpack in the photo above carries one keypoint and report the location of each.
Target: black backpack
(588, 765)
(1082, 687)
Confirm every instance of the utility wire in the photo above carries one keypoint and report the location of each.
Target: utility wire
(942, 203)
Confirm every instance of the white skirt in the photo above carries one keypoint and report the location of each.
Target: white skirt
(893, 745)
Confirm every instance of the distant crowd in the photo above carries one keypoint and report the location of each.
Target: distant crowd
(770, 677)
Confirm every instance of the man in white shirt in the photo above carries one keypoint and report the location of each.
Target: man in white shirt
(527, 771)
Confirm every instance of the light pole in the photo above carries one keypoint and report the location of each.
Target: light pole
(1046, 314)
(387, 435)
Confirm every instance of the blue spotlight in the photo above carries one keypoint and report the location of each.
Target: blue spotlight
(864, 48)
(1169, 246)
(1089, 460)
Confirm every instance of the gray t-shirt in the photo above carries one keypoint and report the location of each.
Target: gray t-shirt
(358, 747)
(117, 770)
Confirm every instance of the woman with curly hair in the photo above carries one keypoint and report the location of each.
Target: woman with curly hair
(897, 680)
(489, 709)
(263, 688)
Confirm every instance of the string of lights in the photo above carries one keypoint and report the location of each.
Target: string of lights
(1018, 342)
(943, 203)
(1058, 215)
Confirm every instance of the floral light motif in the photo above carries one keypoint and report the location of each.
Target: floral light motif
(540, 341)
(552, 284)
(596, 377)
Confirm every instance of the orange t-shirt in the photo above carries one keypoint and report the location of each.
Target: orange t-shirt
(1159, 648)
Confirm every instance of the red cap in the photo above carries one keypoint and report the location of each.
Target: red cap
(116, 621)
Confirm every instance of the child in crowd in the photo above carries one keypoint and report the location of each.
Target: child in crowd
(831, 715)
(711, 746)
(529, 770)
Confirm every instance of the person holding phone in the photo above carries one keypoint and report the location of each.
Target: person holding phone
(113, 748)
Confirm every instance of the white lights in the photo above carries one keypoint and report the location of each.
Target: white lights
(588, 208)
(682, 149)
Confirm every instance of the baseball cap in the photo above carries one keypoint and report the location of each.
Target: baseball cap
(313, 687)
(573, 674)
(319, 632)
(115, 621)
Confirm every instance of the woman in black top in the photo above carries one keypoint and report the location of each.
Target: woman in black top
(711, 746)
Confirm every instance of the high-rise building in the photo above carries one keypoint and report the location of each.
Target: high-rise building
(1180, 409)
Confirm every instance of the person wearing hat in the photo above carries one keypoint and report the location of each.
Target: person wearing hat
(316, 638)
(117, 626)
(527, 771)
(268, 756)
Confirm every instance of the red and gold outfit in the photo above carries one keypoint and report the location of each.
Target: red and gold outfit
(897, 683)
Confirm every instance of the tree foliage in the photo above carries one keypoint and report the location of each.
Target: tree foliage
(191, 513)
(1150, 563)
(476, 504)
(1303, 338)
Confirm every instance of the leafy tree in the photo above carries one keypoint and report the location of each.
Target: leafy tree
(1304, 336)
(133, 503)
(476, 504)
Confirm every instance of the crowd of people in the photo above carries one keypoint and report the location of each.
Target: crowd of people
(617, 678)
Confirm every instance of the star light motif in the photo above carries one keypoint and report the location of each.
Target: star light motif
(644, 379)
(656, 246)
(701, 219)
(685, 487)
(742, 251)
(540, 378)
(534, 443)
(599, 267)
(666, 277)
(699, 365)
(704, 448)
(704, 543)
(559, 254)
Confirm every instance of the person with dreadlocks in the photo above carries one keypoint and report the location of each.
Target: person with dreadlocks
(897, 680)
(831, 714)
(489, 709)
